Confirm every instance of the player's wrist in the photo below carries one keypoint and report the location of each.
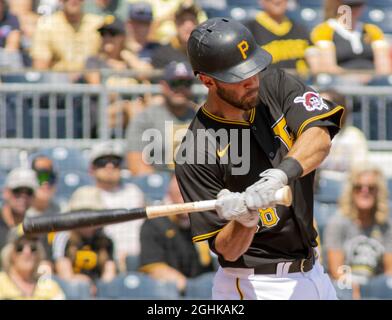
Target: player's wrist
(292, 168)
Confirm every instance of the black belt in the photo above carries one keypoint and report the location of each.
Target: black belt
(303, 265)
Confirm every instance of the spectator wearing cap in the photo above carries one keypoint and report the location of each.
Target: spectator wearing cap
(186, 19)
(139, 46)
(18, 194)
(109, 193)
(79, 38)
(112, 32)
(164, 124)
(44, 202)
(116, 8)
(112, 56)
(164, 11)
(168, 253)
(20, 277)
(341, 43)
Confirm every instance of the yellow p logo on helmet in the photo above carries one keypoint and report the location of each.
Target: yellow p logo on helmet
(243, 46)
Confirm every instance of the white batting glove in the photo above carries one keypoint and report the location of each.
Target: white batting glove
(261, 194)
(232, 206)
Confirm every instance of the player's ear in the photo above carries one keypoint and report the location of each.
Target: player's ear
(206, 80)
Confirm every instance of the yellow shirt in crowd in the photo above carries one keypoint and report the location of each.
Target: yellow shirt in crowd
(66, 46)
(45, 289)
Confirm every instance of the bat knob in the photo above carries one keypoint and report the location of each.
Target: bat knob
(284, 196)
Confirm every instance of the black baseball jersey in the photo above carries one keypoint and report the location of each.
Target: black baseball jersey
(286, 42)
(236, 152)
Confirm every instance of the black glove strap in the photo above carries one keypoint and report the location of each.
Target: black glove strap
(292, 168)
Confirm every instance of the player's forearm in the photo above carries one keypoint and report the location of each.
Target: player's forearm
(234, 240)
(311, 148)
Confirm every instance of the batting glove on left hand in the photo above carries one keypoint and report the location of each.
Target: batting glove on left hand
(231, 206)
(261, 194)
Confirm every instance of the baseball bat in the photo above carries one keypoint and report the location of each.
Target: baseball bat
(91, 218)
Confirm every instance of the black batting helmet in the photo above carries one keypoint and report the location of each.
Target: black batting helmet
(226, 50)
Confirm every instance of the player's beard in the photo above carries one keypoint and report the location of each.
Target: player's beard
(244, 103)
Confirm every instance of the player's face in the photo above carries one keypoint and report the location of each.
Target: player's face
(365, 191)
(243, 95)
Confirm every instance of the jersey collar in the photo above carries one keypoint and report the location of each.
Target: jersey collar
(223, 120)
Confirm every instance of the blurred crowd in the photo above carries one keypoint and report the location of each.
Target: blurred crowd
(124, 42)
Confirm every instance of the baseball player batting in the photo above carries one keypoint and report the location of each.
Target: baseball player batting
(265, 250)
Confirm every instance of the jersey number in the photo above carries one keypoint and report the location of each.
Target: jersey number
(269, 217)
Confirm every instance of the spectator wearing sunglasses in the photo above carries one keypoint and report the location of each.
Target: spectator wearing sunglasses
(21, 276)
(18, 194)
(44, 202)
(360, 236)
(164, 123)
(109, 192)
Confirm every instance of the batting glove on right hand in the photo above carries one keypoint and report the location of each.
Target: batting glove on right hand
(232, 206)
(261, 194)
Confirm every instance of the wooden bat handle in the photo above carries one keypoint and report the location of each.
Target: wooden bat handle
(283, 197)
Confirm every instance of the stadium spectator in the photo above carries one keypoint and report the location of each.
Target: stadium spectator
(349, 146)
(84, 255)
(114, 55)
(168, 253)
(164, 28)
(117, 8)
(341, 45)
(185, 21)
(28, 18)
(20, 277)
(18, 193)
(48, 7)
(360, 235)
(79, 38)
(9, 28)
(109, 193)
(44, 202)
(285, 39)
(112, 32)
(140, 48)
(20, 8)
(165, 123)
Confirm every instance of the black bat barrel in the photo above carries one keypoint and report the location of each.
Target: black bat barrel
(80, 219)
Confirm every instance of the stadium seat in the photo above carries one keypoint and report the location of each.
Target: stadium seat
(323, 213)
(200, 287)
(134, 285)
(309, 17)
(329, 190)
(64, 158)
(389, 183)
(74, 290)
(154, 185)
(379, 16)
(132, 263)
(379, 287)
(311, 3)
(381, 3)
(343, 293)
(69, 181)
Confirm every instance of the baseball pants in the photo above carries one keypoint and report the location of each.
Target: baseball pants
(243, 284)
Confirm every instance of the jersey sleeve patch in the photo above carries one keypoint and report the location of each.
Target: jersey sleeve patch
(311, 101)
